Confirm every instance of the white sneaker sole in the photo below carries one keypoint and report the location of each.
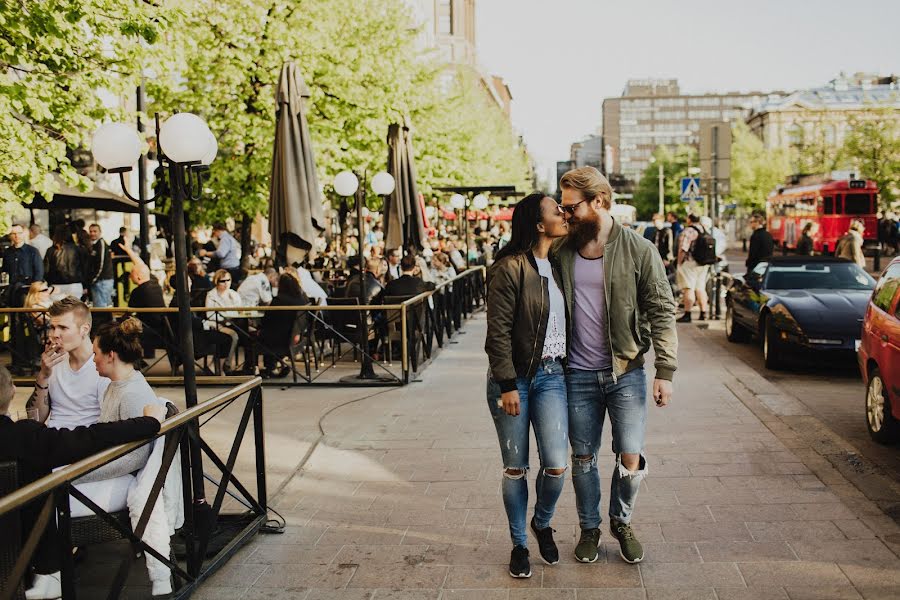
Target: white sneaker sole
(630, 562)
(526, 576)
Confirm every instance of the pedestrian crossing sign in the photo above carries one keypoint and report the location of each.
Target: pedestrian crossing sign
(690, 189)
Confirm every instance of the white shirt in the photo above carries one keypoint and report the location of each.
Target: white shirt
(394, 271)
(255, 290)
(75, 395)
(311, 288)
(41, 242)
(555, 338)
(215, 300)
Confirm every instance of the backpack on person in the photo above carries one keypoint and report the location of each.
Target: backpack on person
(703, 250)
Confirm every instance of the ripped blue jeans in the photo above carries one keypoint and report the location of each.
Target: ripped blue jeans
(542, 401)
(592, 394)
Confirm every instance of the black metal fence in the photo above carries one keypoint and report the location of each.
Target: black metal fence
(410, 328)
(205, 542)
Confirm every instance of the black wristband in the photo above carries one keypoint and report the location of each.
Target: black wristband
(41, 387)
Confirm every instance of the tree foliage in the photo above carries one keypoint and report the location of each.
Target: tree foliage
(55, 58)
(755, 170)
(675, 166)
(873, 147)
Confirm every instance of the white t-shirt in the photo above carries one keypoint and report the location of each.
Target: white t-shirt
(255, 290)
(555, 338)
(75, 395)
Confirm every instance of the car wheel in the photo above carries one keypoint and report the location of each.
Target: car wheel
(880, 422)
(734, 332)
(772, 348)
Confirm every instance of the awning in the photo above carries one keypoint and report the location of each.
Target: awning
(68, 198)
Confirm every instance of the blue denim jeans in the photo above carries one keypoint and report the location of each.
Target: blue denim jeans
(542, 402)
(592, 394)
(101, 293)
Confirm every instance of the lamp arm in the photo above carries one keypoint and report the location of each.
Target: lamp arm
(194, 172)
(129, 196)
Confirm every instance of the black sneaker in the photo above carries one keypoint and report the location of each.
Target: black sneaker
(685, 318)
(519, 566)
(546, 545)
(702, 316)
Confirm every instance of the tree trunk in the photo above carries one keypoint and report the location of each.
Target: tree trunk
(246, 223)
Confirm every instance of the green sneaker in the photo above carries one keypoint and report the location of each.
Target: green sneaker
(630, 549)
(586, 550)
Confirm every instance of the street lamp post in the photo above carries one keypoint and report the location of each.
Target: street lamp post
(661, 178)
(189, 148)
(346, 184)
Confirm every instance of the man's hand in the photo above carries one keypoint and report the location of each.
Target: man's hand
(662, 392)
(157, 411)
(52, 356)
(509, 401)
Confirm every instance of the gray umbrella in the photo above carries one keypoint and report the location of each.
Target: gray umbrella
(295, 203)
(403, 220)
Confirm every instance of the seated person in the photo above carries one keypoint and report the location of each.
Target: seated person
(38, 296)
(374, 288)
(205, 341)
(222, 296)
(38, 449)
(408, 284)
(310, 286)
(147, 294)
(68, 388)
(277, 326)
(256, 289)
(198, 282)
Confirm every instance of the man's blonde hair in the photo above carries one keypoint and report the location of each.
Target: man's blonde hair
(590, 183)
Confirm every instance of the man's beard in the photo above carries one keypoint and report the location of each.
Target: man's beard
(584, 231)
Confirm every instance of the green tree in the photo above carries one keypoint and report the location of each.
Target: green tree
(873, 146)
(55, 58)
(755, 170)
(675, 166)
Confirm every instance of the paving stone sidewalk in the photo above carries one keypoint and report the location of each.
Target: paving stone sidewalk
(401, 499)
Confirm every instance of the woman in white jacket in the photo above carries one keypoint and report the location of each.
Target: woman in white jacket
(222, 296)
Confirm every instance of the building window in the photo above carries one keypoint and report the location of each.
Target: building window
(445, 16)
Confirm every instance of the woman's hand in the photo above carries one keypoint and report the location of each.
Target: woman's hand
(157, 411)
(509, 402)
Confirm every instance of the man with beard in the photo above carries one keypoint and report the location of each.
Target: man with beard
(617, 296)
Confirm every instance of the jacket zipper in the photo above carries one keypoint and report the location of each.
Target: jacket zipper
(534, 349)
(606, 286)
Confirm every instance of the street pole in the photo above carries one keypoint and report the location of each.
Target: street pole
(717, 281)
(466, 228)
(144, 234)
(662, 203)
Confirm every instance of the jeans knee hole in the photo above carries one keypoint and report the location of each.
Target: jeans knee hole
(514, 473)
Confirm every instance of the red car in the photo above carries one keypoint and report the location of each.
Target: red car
(879, 357)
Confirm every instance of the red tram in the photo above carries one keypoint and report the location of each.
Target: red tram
(832, 205)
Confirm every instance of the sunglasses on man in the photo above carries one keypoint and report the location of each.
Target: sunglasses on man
(571, 208)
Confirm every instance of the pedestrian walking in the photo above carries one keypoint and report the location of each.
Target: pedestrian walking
(696, 252)
(609, 331)
(65, 264)
(805, 243)
(850, 246)
(526, 346)
(762, 246)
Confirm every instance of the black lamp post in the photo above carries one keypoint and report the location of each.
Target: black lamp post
(346, 184)
(190, 147)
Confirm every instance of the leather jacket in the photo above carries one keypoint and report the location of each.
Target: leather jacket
(65, 264)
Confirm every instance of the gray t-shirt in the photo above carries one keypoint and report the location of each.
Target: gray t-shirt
(589, 346)
(555, 339)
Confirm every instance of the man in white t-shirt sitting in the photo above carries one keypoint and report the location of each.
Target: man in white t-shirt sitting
(68, 388)
(256, 290)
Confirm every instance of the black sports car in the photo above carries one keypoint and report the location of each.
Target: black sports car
(798, 304)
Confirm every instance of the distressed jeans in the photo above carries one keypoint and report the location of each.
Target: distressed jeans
(592, 394)
(542, 402)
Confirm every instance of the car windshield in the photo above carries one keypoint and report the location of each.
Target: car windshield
(823, 276)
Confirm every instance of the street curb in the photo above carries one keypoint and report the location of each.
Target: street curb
(837, 463)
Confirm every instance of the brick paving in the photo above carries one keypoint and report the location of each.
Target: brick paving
(401, 499)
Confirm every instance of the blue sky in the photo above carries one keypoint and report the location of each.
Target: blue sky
(562, 57)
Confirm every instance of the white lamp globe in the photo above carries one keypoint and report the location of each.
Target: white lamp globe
(184, 138)
(383, 184)
(115, 146)
(346, 183)
(480, 202)
(211, 150)
(457, 201)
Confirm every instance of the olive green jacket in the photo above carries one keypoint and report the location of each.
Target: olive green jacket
(639, 302)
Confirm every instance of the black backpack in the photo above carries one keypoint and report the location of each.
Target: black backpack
(703, 250)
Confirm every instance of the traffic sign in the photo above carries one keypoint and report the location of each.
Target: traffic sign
(690, 189)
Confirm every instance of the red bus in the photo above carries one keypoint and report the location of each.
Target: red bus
(832, 205)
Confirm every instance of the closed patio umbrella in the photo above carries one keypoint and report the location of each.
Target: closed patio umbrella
(404, 220)
(295, 203)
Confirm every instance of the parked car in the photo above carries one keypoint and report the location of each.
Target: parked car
(879, 357)
(799, 306)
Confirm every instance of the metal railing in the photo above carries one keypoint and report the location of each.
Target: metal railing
(442, 313)
(201, 519)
